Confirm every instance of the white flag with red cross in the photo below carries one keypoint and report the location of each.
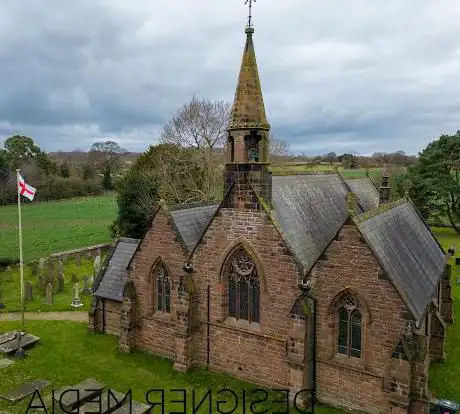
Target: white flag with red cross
(25, 189)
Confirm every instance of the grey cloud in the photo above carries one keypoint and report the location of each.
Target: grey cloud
(337, 76)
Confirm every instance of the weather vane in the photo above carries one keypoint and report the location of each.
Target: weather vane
(250, 10)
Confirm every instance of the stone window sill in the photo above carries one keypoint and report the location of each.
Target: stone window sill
(243, 324)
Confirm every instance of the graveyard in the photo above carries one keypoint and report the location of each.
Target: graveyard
(50, 284)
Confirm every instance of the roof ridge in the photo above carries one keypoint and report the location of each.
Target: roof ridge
(293, 173)
(184, 206)
(379, 210)
(128, 240)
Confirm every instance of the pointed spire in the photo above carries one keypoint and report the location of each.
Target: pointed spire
(248, 109)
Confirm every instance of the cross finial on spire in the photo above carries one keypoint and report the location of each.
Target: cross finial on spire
(250, 11)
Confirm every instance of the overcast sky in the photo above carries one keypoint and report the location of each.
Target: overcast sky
(345, 76)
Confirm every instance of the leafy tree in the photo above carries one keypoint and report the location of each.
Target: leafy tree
(4, 168)
(107, 180)
(64, 170)
(164, 171)
(105, 155)
(435, 180)
(87, 171)
(20, 148)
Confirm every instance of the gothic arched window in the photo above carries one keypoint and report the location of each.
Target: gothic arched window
(350, 328)
(163, 289)
(243, 288)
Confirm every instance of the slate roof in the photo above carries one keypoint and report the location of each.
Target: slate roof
(408, 252)
(115, 274)
(366, 192)
(310, 210)
(191, 222)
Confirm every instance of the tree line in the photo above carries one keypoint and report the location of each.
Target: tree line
(55, 178)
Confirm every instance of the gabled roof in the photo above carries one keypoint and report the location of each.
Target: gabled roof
(367, 193)
(115, 274)
(309, 209)
(190, 222)
(407, 250)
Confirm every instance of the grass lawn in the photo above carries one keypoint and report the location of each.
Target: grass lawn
(445, 377)
(10, 291)
(52, 227)
(68, 354)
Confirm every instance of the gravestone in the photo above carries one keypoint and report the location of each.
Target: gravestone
(60, 265)
(28, 291)
(49, 294)
(60, 282)
(5, 362)
(9, 342)
(65, 259)
(70, 399)
(34, 268)
(97, 265)
(77, 259)
(86, 286)
(24, 390)
(41, 264)
(41, 284)
(109, 403)
(8, 276)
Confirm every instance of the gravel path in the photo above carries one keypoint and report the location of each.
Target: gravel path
(46, 316)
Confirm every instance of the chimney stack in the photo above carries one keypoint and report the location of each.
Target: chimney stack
(385, 188)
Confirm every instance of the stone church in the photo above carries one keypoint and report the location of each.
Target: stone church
(290, 281)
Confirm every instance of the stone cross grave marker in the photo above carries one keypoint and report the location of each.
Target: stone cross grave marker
(49, 294)
(76, 302)
(60, 282)
(28, 291)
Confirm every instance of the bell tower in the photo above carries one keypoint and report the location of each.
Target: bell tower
(247, 148)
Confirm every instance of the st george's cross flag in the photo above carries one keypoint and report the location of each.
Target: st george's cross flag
(25, 189)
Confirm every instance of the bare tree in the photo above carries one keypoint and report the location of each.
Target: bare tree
(200, 124)
(278, 147)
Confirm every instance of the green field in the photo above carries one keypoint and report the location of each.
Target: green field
(52, 227)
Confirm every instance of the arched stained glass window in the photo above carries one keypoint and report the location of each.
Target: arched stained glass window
(243, 287)
(350, 329)
(163, 289)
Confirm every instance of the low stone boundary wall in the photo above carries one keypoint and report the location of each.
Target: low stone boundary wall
(77, 254)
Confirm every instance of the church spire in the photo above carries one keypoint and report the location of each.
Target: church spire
(248, 111)
(247, 146)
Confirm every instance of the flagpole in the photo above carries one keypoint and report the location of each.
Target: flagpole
(20, 351)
